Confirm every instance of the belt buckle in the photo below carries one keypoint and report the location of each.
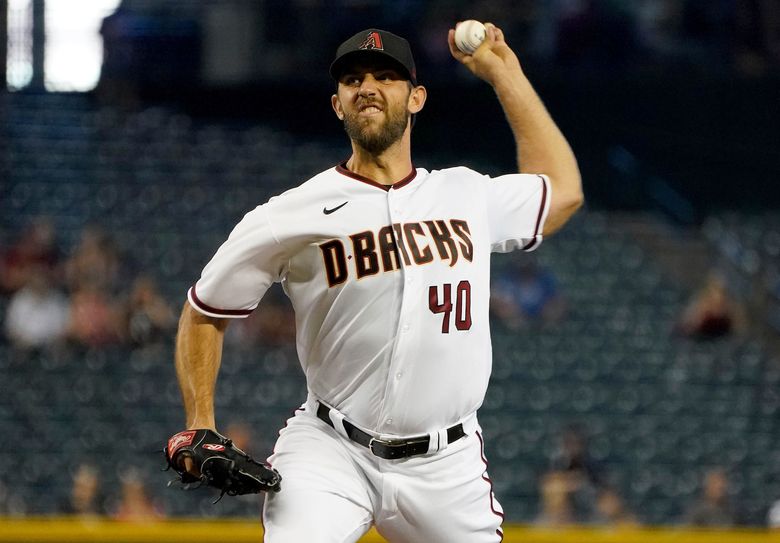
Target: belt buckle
(389, 445)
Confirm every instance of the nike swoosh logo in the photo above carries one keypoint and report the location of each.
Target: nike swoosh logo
(333, 210)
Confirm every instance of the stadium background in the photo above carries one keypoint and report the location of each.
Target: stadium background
(205, 109)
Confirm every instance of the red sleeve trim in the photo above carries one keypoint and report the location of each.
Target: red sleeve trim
(535, 240)
(213, 310)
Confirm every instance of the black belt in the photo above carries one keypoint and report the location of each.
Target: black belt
(389, 449)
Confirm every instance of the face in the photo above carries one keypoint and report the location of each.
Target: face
(716, 485)
(375, 102)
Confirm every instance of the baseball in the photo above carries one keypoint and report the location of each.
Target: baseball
(469, 35)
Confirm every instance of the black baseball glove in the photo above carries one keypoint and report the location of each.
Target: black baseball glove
(221, 464)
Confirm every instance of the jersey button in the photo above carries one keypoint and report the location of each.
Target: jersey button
(406, 327)
(398, 375)
(389, 422)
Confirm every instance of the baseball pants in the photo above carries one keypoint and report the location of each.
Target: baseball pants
(334, 490)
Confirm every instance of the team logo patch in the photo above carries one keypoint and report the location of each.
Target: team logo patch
(213, 447)
(180, 440)
(372, 41)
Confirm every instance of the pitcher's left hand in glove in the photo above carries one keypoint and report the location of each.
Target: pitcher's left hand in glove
(219, 463)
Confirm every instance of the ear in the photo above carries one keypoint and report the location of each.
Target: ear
(417, 99)
(336, 104)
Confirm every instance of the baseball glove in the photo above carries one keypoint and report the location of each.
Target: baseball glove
(221, 464)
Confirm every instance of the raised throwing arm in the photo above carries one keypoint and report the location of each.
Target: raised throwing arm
(541, 147)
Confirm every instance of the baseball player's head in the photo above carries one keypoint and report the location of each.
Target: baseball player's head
(377, 91)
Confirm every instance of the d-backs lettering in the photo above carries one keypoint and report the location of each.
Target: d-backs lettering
(411, 243)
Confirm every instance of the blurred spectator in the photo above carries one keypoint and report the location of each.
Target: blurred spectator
(241, 435)
(271, 325)
(85, 498)
(571, 456)
(94, 320)
(148, 318)
(35, 248)
(556, 509)
(526, 294)
(711, 313)
(94, 262)
(142, 41)
(584, 476)
(135, 504)
(37, 314)
(121, 69)
(611, 510)
(713, 507)
(12, 503)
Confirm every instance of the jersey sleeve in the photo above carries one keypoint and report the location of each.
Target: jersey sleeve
(517, 207)
(243, 268)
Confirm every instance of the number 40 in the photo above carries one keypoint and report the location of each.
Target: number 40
(462, 305)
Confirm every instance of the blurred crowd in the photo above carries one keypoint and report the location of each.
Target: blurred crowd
(144, 38)
(574, 490)
(92, 296)
(91, 496)
(88, 297)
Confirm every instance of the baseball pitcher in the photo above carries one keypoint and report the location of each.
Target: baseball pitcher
(387, 266)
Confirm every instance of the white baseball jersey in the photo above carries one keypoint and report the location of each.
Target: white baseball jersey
(390, 285)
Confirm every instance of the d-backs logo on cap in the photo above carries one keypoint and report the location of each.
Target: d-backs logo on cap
(372, 41)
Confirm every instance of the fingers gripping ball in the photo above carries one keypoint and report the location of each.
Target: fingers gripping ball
(469, 35)
(219, 463)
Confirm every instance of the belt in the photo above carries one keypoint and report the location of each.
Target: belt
(389, 449)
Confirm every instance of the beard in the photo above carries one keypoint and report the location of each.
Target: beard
(376, 138)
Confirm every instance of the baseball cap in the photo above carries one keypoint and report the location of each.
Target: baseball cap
(376, 42)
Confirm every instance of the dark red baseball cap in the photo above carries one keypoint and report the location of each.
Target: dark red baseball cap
(376, 42)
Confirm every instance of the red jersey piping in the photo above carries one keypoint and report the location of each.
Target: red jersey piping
(342, 169)
(535, 239)
(216, 311)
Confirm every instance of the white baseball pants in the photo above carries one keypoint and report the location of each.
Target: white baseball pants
(334, 490)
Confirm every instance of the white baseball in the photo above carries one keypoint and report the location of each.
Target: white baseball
(469, 35)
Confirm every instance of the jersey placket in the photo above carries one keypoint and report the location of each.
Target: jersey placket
(396, 368)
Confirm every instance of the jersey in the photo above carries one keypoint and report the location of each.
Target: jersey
(390, 285)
